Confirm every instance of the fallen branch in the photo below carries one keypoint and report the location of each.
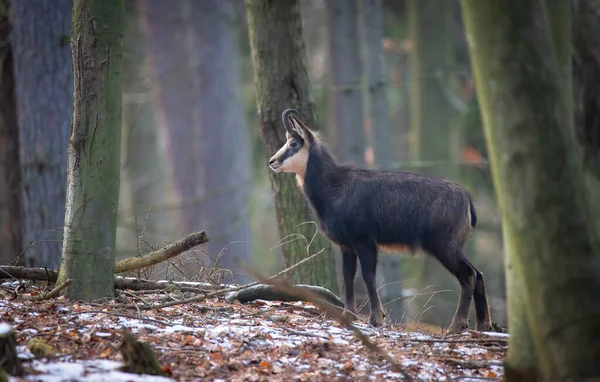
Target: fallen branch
(162, 254)
(473, 364)
(217, 292)
(269, 292)
(132, 263)
(52, 294)
(51, 275)
(337, 314)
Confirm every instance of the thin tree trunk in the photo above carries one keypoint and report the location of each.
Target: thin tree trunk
(377, 81)
(430, 133)
(375, 73)
(93, 153)
(176, 103)
(282, 82)
(224, 140)
(519, 66)
(345, 72)
(44, 90)
(144, 179)
(10, 174)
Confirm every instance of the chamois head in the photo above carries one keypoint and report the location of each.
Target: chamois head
(293, 155)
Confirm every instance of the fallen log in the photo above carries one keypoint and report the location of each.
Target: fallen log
(50, 275)
(272, 293)
(132, 263)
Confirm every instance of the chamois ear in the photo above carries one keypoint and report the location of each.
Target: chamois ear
(292, 121)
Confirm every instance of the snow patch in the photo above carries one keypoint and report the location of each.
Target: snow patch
(5, 328)
(92, 370)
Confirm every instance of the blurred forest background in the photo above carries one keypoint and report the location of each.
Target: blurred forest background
(192, 156)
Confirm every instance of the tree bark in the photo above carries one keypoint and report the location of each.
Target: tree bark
(10, 174)
(346, 89)
(519, 66)
(93, 152)
(279, 58)
(44, 90)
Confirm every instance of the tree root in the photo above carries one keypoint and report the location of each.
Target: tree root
(138, 356)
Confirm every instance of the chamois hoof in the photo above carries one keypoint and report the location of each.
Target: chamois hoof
(349, 315)
(457, 328)
(377, 319)
(484, 327)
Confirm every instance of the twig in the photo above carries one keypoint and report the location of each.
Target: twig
(458, 341)
(338, 315)
(473, 364)
(52, 294)
(123, 315)
(295, 332)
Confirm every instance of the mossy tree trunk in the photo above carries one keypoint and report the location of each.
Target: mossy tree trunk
(93, 152)
(519, 54)
(281, 77)
(10, 169)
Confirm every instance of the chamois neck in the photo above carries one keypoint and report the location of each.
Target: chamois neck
(320, 169)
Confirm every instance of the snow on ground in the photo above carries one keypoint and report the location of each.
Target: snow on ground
(262, 340)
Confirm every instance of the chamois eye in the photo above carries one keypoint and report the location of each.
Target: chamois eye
(293, 144)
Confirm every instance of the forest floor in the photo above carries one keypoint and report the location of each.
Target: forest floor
(218, 340)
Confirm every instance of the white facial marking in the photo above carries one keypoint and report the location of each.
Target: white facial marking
(296, 163)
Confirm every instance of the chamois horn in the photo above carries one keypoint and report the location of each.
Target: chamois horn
(285, 118)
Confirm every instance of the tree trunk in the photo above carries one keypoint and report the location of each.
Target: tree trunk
(377, 81)
(431, 116)
(282, 82)
(554, 250)
(224, 139)
(203, 118)
(176, 103)
(44, 90)
(10, 174)
(144, 179)
(345, 72)
(375, 73)
(93, 152)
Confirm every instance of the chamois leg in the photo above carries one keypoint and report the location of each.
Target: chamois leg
(454, 260)
(367, 254)
(349, 269)
(482, 308)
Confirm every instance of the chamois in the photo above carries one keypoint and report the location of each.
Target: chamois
(366, 211)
